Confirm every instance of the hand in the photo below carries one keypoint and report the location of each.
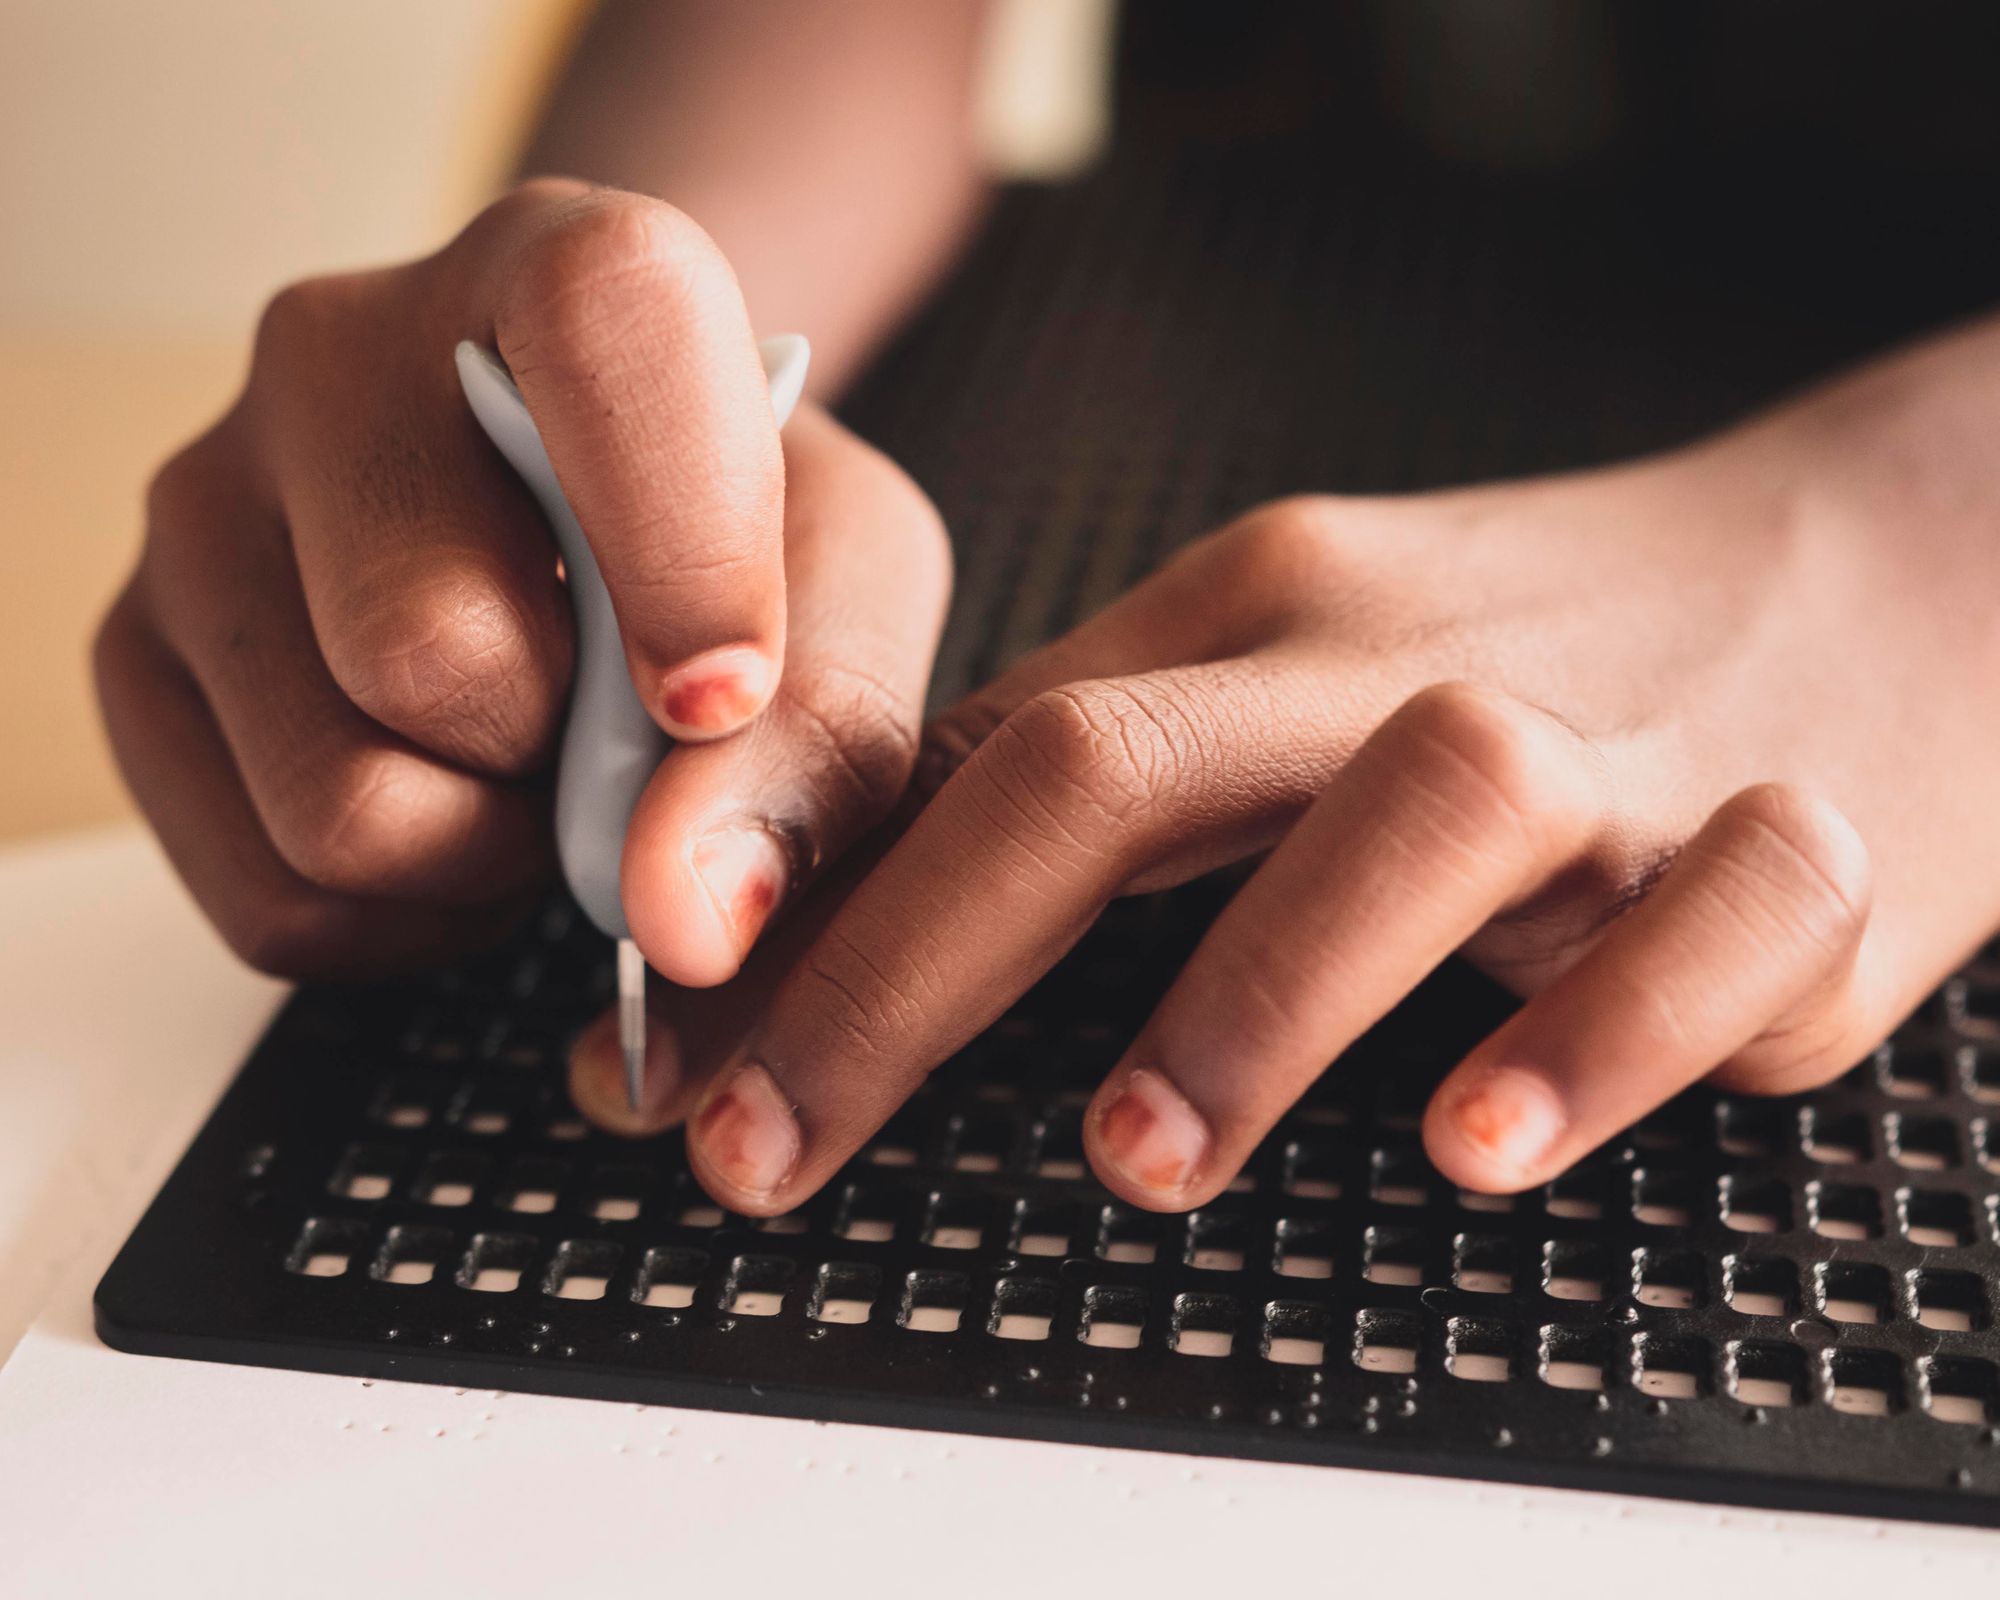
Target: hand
(1628, 739)
(335, 681)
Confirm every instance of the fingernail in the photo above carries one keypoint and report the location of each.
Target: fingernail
(745, 872)
(747, 1133)
(1511, 1116)
(597, 1077)
(1152, 1135)
(715, 693)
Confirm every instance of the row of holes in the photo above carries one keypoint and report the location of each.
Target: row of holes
(1928, 1217)
(1288, 1332)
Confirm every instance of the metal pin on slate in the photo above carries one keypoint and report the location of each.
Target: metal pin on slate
(611, 746)
(632, 1018)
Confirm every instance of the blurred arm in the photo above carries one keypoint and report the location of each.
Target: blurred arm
(826, 145)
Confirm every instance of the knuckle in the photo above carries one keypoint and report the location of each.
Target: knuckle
(285, 933)
(1301, 540)
(297, 322)
(361, 827)
(1803, 857)
(591, 266)
(446, 660)
(862, 730)
(1101, 748)
(866, 999)
(1489, 764)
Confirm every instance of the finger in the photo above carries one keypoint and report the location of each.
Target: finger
(1462, 804)
(627, 335)
(727, 830)
(180, 771)
(1753, 933)
(1222, 596)
(428, 575)
(348, 805)
(1075, 794)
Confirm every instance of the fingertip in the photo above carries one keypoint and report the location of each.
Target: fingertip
(712, 695)
(744, 1141)
(697, 913)
(1495, 1130)
(597, 1079)
(1147, 1141)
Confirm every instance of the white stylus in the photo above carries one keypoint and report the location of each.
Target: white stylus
(610, 745)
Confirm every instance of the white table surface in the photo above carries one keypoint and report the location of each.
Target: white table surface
(121, 1018)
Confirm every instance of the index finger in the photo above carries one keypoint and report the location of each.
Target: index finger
(625, 331)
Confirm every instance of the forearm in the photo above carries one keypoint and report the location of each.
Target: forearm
(827, 148)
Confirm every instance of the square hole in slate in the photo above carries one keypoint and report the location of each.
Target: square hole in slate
(1043, 1230)
(1479, 1349)
(1295, 1333)
(1754, 1127)
(1938, 1218)
(617, 1194)
(411, 1254)
(1667, 1199)
(1125, 1233)
(1496, 1204)
(451, 1178)
(954, 1221)
(1387, 1341)
(1843, 1210)
(1912, 1073)
(1312, 1169)
(1217, 1238)
(1755, 1204)
(786, 1225)
(1576, 1269)
(567, 1130)
(866, 1213)
(1665, 1129)
(485, 1113)
(581, 1270)
(533, 1186)
(1949, 1302)
(1854, 1291)
(366, 1172)
(1864, 1383)
(495, 1262)
(326, 1247)
(1760, 1286)
(1979, 1070)
(669, 1276)
(1400, 1178)
(1673, 1280)
(1023, 1308)
(886, 1153)
(409, 1102)
(1764, 1373)
(1304, 1248)
(697, 1212)
(1923, 1144)
(1671, 1367)
(1058, 1146)
(1113, 1317)
(979, 1143)
(1393, 1256)
(1203, 1325)
(757, 1285)
(844, 1291)
(1483, 1263)
(1577, 1196)
(1837, 1138)
(934, 1302)
(1960, 1389)
(1574, 1358)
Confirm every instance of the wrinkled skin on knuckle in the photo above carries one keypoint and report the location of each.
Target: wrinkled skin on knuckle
(589, 267)
(361, 825)
(1077, 763)
(866, 996)
(862, 733)
(309, 327)
(1801, 862)
(444, 657)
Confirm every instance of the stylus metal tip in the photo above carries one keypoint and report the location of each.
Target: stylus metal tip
(632, 1018)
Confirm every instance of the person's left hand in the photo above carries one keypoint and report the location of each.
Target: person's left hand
(1619, 736)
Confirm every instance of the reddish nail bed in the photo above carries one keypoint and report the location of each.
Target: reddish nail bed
(747, 1134)
(716, 692)
(1156, 1138)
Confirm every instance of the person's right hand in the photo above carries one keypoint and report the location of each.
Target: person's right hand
(335, 680)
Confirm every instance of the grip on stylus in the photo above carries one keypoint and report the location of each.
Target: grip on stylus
(610, 745)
